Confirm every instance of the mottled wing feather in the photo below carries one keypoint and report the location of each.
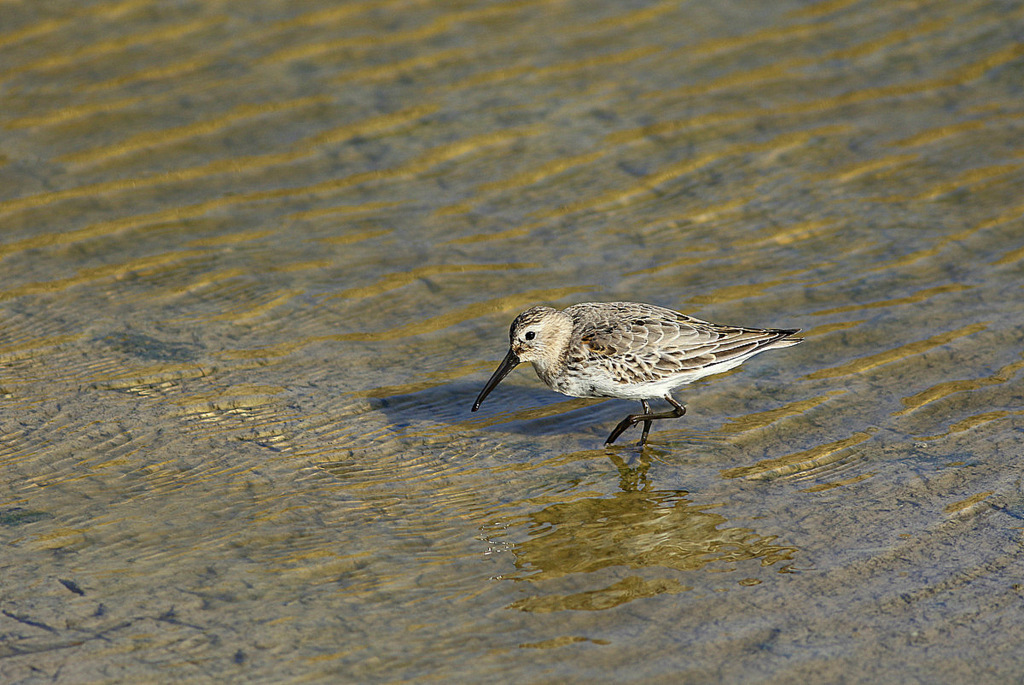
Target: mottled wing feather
(644, 343)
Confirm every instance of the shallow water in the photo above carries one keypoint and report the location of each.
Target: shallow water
(257, 259)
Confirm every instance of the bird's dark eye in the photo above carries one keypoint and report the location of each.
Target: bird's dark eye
(530, 335)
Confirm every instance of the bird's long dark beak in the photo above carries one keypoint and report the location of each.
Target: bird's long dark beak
(510, 362)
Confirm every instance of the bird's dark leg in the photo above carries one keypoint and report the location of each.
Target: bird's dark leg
(647, 423)
(647, 417)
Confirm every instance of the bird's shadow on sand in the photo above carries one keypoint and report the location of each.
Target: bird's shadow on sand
(522, 410)
(509, 408)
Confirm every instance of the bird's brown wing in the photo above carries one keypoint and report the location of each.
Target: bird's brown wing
(647, 343)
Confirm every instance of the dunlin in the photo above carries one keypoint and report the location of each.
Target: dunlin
(627, 350)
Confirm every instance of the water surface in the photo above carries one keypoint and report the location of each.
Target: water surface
(258, 258)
